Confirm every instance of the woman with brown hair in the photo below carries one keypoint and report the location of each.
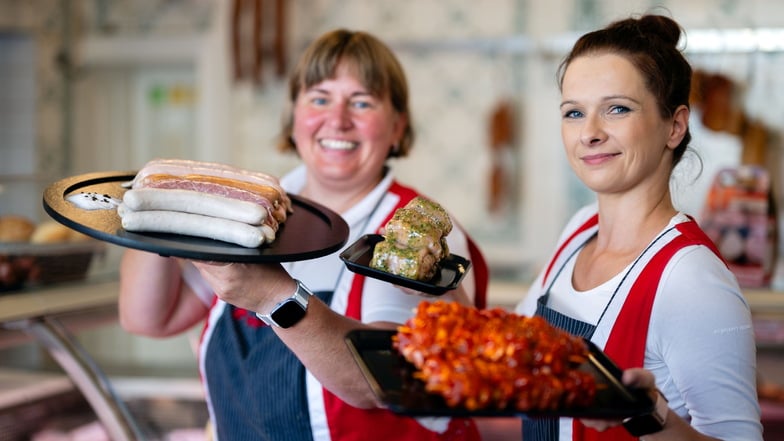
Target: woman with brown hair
(273, 356)
(630, 272)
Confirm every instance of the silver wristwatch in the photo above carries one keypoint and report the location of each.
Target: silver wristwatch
(290, 311)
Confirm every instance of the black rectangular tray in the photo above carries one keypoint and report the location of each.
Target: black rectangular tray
(391, 378)
(451, 269)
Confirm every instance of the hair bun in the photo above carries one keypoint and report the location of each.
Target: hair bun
(661, 27)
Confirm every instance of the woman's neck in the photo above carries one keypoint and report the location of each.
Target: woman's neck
(626, 225)
(337, 198)
(625, 230)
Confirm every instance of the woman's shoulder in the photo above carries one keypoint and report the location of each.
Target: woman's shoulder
(578, 219)
(696, 274)
(584, 213)
(294, 180)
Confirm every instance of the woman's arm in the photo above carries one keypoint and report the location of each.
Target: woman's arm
(701, 347)
(701, 352)
(674, 429)
(317, 339)
(154, 301)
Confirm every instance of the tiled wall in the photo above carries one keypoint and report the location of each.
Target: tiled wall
(17, 104)
(41, 24)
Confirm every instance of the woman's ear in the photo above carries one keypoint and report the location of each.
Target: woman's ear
(680, 124)
(401, 121)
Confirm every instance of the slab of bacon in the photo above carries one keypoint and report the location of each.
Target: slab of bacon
(205, 199)
(414, 240)
(494, 359)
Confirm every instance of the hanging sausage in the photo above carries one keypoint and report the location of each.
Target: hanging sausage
(501, 139)
(249, 39)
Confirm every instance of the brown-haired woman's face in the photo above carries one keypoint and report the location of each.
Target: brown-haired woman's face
(344, 133)
(613, 132)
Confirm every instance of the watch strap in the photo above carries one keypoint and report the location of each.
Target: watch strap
(299, 299)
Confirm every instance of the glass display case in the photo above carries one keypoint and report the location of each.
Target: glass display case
(53, 283)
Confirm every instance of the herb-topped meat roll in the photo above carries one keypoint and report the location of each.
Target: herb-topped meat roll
(414, 240)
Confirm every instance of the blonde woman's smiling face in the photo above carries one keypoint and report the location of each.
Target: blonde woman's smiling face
(343, 132)
(612, 130)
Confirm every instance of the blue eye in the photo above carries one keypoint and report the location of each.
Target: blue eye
(319, 101)
(572, 114)
(619, 109)
(361, 104)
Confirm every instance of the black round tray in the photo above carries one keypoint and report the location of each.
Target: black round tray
(310, 231)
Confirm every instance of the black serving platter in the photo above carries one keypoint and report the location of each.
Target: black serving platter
(451, 269)
(391, 378)
(310, 231)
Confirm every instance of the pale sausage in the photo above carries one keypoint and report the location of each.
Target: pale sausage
(160, 221)
(190, 201)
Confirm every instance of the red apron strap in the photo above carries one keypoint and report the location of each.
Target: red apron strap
(590, 223)
(481, 274)
(354, 308)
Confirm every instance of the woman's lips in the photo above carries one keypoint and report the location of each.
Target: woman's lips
(598, 158)
(337, 144)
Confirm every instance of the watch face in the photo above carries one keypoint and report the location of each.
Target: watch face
(288, 313)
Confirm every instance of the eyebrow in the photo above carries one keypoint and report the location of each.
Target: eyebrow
(567, 102)
(606, 98)
(326, 92)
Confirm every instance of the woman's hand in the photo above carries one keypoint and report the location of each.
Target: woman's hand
(255, 287)
(636, 378)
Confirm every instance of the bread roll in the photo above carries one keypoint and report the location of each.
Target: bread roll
(15, 228)
(51, 232)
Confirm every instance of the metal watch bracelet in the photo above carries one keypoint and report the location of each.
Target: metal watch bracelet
(289, 311)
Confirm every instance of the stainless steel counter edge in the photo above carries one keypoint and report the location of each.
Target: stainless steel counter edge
(59, 299)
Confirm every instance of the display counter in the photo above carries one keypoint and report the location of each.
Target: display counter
(49, 316)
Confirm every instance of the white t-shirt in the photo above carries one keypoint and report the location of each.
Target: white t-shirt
(700, 344)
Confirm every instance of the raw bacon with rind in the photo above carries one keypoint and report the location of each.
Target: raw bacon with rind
(182, 167)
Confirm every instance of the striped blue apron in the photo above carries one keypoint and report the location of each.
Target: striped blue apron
(257, 385)
(546, 429)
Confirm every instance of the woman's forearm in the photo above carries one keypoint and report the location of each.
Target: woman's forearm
(152, 298)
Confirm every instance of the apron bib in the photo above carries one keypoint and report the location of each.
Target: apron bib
(626, 342)
(261, 394)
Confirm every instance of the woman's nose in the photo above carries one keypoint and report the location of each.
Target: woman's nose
(592, 131)
(340, 116)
